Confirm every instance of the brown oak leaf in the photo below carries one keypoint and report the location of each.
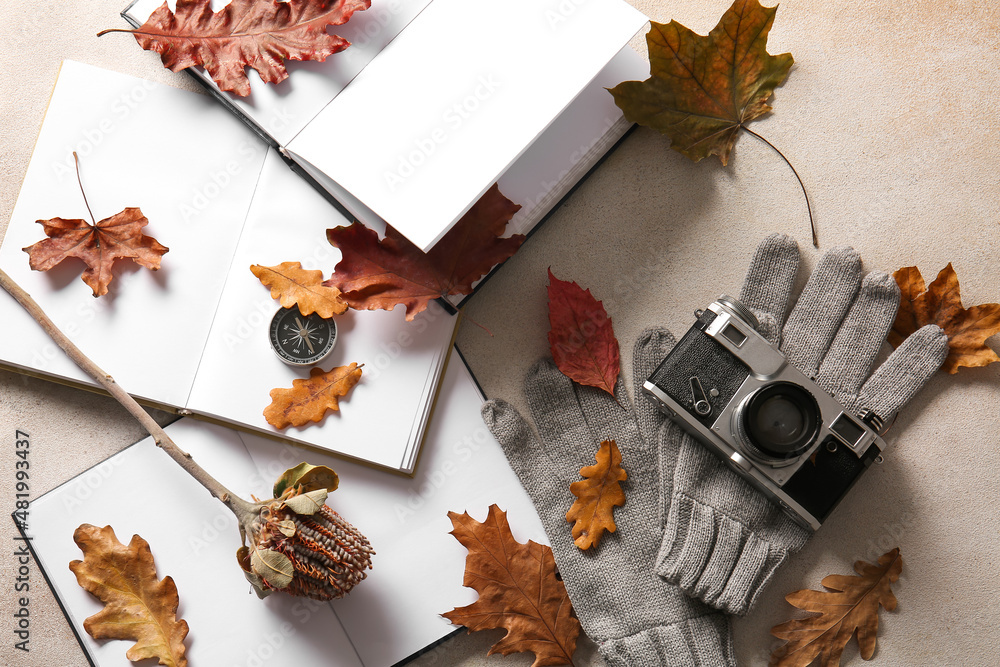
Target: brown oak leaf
(581, 339)
(376, 274)
(597, 495)
(518, 591)
(941, 304)
(848, 606)
(98, 246)
(703, 89)
(292, 285)
(261, 34)
(137, 606)
(309, 399)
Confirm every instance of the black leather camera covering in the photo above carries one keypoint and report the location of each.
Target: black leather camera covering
(823, 480)
(699, 355)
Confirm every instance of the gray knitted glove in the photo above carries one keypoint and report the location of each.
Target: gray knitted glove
(723, 540)
(638, 619)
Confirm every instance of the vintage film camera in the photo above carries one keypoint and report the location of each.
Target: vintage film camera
(733, 390)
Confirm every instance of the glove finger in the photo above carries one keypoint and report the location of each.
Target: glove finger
(528, 460)
(905, 372)
(769, 282)
(853, 351)
(650, 349)
(821, 308)
(562, 426)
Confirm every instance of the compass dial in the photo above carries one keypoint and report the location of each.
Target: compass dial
(301, 340)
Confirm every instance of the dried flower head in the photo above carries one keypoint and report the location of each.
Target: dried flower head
(299, 545)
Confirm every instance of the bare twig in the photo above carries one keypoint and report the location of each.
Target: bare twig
(243, 509)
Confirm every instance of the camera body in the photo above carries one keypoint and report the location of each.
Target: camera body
(730, 388)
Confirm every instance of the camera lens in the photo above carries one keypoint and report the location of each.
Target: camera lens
(780, 420)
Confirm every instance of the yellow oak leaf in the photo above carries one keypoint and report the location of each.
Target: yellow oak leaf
(294, 286)
(597, 495)
(137, 606)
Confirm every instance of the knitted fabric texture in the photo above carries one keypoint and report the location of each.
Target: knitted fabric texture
(637, 618)
(723, 540)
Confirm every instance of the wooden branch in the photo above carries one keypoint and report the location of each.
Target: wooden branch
(244, 510)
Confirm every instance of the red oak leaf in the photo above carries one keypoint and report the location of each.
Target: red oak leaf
(582, 340)
(258, 33)
(376, 274)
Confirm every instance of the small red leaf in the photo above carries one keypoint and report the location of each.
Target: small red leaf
(582, 340)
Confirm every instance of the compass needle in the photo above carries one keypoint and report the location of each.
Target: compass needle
(308, 338)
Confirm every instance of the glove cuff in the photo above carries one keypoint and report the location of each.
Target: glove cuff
(715, 558)
(697, 642)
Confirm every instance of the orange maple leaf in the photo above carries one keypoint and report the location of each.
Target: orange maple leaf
(258, 33)
(98, 245)
(309, 399)
(848, 606)
(597, 495)
(941, 304)
(137, 605)
(518, 591)
(294, 286)
(703, 90)
(376, 274)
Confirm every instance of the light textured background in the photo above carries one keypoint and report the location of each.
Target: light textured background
(890, 116)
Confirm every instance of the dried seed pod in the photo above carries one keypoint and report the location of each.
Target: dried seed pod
(299, 545)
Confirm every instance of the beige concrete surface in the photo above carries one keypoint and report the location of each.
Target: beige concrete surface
(890, 114)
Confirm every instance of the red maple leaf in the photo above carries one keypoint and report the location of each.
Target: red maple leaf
(582, 340)
(376, 274)
(98, 245)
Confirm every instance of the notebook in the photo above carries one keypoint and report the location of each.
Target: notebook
(436, 100)
(193, 336)
(393, 614)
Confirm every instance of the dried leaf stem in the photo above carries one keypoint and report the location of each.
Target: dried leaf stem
(812, 223)
(243, 509)
(79, 180)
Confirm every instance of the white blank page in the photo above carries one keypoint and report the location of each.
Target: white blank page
(447, 106)
(283, 109)
(191, 168)
(384, 415)
(193, 538)
(418, 567)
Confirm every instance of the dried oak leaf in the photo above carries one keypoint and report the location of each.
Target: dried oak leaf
(117, 237)
(137, 606)
(850, 604)
(261, 34)
(597, 495)
(703, 89)
(376, 274)
(518, 591)
(941, 304)
(309, 399)
(294, 286)
(581, 339)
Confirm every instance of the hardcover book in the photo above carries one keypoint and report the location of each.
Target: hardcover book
(417, 569)
(436, 100)
(193, 336)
